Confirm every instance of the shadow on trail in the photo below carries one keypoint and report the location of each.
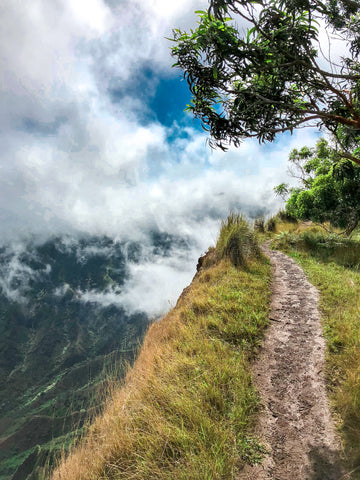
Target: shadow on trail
(325, 465)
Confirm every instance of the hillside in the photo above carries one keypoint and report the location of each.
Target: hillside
(188, 409)
(59, 344)
(188, 405)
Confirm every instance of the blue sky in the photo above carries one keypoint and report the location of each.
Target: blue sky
(93, 133)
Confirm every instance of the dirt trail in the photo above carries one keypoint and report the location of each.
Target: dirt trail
(295, 425)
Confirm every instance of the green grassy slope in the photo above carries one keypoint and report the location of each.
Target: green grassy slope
(188, 405)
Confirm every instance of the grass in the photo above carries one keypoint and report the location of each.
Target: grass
(237, 241)
(10, 464)
(332, 265)
(324, 247)
(188, 405)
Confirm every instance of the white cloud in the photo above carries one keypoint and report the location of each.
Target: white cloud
(71, 160)
(155, 280)
(154, 286)
(15, 274)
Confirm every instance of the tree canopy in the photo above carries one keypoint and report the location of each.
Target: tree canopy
(329, 191)
(274, 72)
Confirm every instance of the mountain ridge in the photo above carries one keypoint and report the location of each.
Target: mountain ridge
(59, 347)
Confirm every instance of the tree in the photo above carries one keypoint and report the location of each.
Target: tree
(278, 75)
(329, 191)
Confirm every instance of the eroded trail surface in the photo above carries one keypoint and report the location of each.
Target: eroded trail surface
(296, 425)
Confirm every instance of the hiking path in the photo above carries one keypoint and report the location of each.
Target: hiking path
(295, 424)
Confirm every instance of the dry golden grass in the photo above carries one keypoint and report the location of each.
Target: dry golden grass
(188, 403)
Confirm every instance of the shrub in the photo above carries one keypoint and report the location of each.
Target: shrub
(284, 216)
(259, 225)
(271, 225)
(237, 241)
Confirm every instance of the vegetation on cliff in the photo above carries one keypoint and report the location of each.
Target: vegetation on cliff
(188, 404)
(329, 189)
(55, 347)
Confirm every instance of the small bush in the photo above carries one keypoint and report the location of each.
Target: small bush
(271, 224)
(237, 241)
(285, 216)
(259, 225)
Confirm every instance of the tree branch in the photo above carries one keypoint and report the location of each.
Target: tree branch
(286, 129)
(349, 156)
(338, 93)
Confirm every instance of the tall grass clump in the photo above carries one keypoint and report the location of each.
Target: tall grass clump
(237, 241)
(285, 216)
(271, 224)
(187, 407)
(259, 224)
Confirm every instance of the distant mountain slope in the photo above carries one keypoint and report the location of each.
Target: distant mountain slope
(61, 328)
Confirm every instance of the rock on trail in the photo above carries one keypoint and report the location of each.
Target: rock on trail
(295, 424)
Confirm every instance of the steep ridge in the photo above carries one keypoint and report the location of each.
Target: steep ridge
(187, 407)
(296, 424)
(57, 347)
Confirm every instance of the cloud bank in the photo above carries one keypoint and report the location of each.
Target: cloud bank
(84, 148)
(73, 158)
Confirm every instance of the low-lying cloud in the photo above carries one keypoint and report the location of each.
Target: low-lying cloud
(153, 286)
(16, 275)
(74, 161)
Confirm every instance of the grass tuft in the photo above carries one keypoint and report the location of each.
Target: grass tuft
(237, 241)
(259, 224)
(271, 224)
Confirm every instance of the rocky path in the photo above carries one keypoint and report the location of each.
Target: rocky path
(295, 426)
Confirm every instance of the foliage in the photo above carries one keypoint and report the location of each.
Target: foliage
(324, 247)
(237, 241)
(259, 224)
(332, 265)
(187, 407)
(284, 216)
(270, 225)
(330, 190)
(55, 349)
(276, 76)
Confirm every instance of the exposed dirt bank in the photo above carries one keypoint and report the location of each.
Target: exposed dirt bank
(296, 425)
